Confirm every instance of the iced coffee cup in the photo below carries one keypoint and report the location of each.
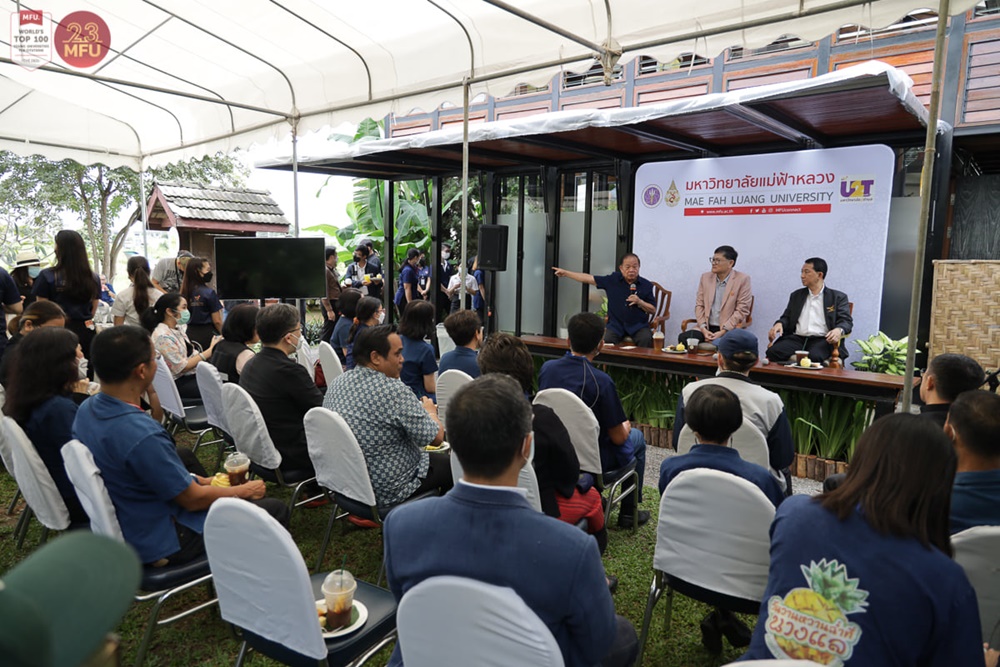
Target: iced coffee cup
(658, 341)
(800, 355)
(237, 465)
(338, 592)
(692, 345)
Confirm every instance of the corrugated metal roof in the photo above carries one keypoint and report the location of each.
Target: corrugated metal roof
(194, 201)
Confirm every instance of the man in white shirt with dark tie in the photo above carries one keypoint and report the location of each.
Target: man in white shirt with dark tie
(815, 319)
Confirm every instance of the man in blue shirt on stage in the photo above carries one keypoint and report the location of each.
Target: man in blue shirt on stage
(619, 442)
(630, 300)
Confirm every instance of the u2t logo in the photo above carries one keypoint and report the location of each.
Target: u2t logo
(857, 188)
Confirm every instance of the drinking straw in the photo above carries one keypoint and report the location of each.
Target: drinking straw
(343, 564)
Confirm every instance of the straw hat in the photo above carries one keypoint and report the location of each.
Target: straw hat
(27, 258)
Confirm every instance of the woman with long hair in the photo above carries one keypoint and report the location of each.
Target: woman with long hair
(38, 314)
(44, 372)
(419, 363)
(368, 313)
(73, 285)
(203, 302)
(407, 291)
(239, 332)
(132, 301)
(864, 573)
(162, 321)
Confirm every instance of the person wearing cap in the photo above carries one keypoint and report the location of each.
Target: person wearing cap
(160, 506)
(59, 604)
(761, 407)
(168, 273)
(27, 266)
(724, 298)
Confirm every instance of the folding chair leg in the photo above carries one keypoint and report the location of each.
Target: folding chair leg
(13, 502)
(326, 537)
(381, 572)
(655, 591)
(45, 535)
(242, 654)
(21, 529)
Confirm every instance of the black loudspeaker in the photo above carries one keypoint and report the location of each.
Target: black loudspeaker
(493, 247)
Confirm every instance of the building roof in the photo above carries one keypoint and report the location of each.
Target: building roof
(213, 208)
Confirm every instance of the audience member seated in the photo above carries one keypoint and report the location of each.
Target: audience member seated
(161, 507)
(947, 376)
(419, 364)
(391, 424)
(37, 315)
(239, 332)
(347, 306)
(815, 319)
(132, 301)
(762, 407)
(466, 331)
(619, 442)
(369, 313)
(484, 529)
(872, 559)
(42, 396)
(563, 494)
(280, 386)
(974, 426)
(162, 321)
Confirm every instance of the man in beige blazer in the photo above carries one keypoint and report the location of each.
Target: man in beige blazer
(723, 300)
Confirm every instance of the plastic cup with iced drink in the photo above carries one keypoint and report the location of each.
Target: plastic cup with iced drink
(366, 279)
(237, 465)
(338, 592)
(658, 341)
(800, 355)
(692, 345)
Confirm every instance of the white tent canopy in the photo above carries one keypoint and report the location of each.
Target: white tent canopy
(186, 78)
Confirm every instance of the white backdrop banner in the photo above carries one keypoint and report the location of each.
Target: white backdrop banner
(776, 210)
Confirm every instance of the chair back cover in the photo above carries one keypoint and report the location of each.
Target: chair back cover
(337, 457)
(449, 384)
(90, 489)
(6, 453)
(259, 575)
(747, 440)
(457, 621)
(166, 389)
(328, 359)
(713, 532)
(247, 427)
(976, 551)
(579, 421)
(526, 479)
(34, 480)
(210, 388)
(305, 357)
(445, 343)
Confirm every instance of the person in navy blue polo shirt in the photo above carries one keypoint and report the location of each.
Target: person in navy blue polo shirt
(407, 290)
(466, 330)
(619, 442)
(630, 300)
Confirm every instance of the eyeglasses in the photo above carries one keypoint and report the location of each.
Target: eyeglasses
(716, 260)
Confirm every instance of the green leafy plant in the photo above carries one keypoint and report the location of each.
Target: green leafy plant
(882, 354)
(825, 425)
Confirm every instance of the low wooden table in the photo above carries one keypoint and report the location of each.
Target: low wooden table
(883, 389)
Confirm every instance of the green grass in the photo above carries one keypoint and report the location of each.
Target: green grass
(204, 639)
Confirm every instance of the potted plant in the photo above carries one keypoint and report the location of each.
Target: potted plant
(881, 354)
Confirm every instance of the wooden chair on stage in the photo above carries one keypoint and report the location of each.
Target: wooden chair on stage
(686, 323)
(662, 314)
(834, 361)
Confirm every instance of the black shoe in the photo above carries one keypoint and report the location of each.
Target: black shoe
(711, 636)
(625, 520)
(735, 630)
(612, 583)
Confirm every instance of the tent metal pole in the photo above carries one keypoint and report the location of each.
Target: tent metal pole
(926, 178)
(295, 172)
(142, 209)
(551, 27)
(465, 193)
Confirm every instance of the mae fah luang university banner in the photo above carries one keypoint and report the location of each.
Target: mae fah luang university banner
(776, 210)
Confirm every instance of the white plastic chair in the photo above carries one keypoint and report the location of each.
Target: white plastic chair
(305, 357)
(265, 590)
(457, 621)
(712, 537)
(747, 440)
(7, 456)
(33, 479)
(328, 359)
(159, 584)
(249, 432)
(526, 479)
(445, 343)
(583, 429)
(191, 417)
(210, 387)
(449, 384)
(976, 551)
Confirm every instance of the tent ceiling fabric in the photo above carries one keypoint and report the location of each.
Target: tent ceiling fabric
(186, 78)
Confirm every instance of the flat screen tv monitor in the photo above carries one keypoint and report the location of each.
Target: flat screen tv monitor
(270, 268)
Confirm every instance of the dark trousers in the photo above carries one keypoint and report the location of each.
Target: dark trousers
(187, 387)
(642, 338)
(201, 334)
(438, 474)
(785, 348)
(625, 648)
(193, 542)
(328, 324)
(683, 336)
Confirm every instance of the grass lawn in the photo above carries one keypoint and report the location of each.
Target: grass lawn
(204, 639)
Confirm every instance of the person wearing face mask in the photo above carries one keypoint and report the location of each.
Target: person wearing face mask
(203, 302)
(282, 388)
(37, 315)
(445, 271)
(423, 277)
(368, 313)
(27, 266)
(364, 275)
(407, 290)
(163, 321)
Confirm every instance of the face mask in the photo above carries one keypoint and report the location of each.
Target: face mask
(184, 317)
(81, 369)
(208, 277)
(381, 317)
(33, 271)
(445, 254)
(357, 258)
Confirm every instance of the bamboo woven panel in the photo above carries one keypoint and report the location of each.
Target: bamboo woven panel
(965, 311)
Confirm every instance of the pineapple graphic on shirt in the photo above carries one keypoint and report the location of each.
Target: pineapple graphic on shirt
(811, 623)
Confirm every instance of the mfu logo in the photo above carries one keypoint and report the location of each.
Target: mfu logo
(857, 189)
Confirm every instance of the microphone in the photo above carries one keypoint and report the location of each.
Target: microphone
(631, 290)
